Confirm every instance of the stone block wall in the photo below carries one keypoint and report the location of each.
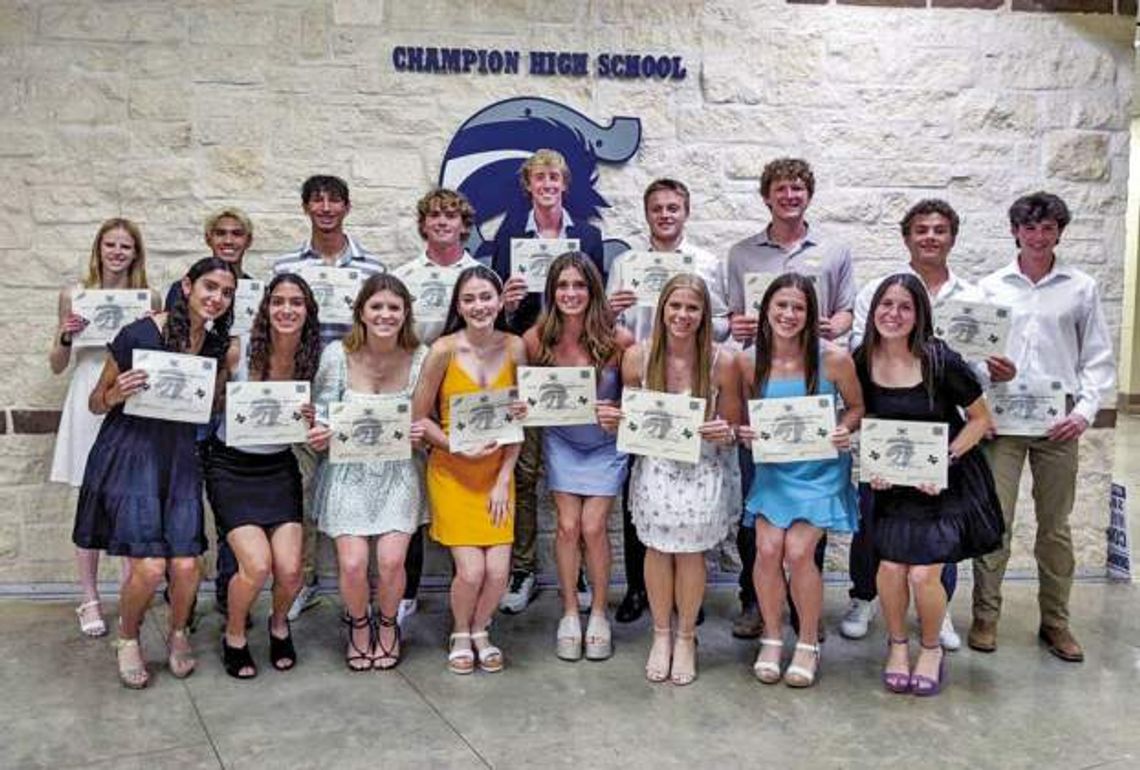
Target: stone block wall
(162, 112)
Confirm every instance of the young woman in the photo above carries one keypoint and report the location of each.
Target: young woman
(255, 491)
(679, 509)
(118, 261)
(142, 488)
(584, 470)
(908, 374)
(383, 500)
(792, 504)
(472, 493)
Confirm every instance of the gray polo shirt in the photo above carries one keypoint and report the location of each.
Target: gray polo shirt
(816, 254)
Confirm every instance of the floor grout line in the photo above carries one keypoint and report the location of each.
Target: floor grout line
(446, 721)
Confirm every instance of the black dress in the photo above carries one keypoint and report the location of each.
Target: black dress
(963, 521)
(142, 487)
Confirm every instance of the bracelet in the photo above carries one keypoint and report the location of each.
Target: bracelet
(65, 339)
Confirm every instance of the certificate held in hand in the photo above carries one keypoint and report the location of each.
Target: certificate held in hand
(793, 429)
(558, 395)
(259, 413)
(1026, 407)
(107, 311)
(531, 258)
(974, 330)
(905, 453)
(482, 418)
(334, 289)
(178, 387)
(247, 299)
(665, 425)
(646, 272)
(370, 429)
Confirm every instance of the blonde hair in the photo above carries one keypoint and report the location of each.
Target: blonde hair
(136, 277)
(656, 375)
(233, 213)
(545, 158)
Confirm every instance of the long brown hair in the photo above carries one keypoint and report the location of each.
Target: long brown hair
(136, 276)
(656, 377)
(808, 337)
(308, 354)
(598, 337)
(921, 342)
(407, 339)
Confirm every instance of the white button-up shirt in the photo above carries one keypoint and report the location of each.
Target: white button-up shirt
(639, 318)
(1058, 332)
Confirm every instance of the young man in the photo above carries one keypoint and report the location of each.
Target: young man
(929, 230)
(1058, 333)
(666, 203)
(787, 244)
(325, 202)
(444, 219)
(545, 179)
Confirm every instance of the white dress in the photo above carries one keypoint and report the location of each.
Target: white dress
(78, 427)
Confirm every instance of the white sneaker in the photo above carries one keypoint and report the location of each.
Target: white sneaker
(858, 618)
(585, 595)
(307, 598)
(407, 608)
(520, 593)
(948, 636)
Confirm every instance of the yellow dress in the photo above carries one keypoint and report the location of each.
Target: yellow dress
(458, 487)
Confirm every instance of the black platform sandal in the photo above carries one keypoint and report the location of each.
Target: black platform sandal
(234, 659)
(358, 656)
(389, 657)
(282, 654)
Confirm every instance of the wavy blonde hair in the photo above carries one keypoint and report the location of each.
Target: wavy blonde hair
(656, 376)
(136, 278)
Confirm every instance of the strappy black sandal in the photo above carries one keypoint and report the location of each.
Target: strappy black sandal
(282, 654)
(234, 659)
(389, 657)
(358, 655)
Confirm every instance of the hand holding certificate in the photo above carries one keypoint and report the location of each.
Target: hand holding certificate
(665, 425)
(247, 299)
(259, 413)
(106, 312)
(756, 285)
(792, 429)
(178, 387)
(646, 272)
(334, 289)
(531, 258)
(370, 429)
(1025, 407)
(482, 418)
(558, 395)
(905, 453)
(974, 330)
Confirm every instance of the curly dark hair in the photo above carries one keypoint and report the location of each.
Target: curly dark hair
(261, 338)
(176, 332)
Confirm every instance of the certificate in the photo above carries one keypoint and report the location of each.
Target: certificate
(974, 330)
(478, 419)
(334, 289)
(558, 395)
(1025, 407)
(646, 272)
(247, 299)
(260, 413)
(107, 311)
(665, 425)
(178, 387)
(431, 289)
(793, 429)
(370, 429)
(756, 284)
(531, 258)
(904, 452)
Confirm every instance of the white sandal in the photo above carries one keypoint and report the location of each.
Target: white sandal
(767, 671)
(460, 660)
(599, 639)
(133, 676)
(95, 626)
(568, 645)
(490, 657)
(798, 676)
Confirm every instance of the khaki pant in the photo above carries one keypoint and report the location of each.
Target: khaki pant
(307, 461)
(1053, 465)
(527, 472)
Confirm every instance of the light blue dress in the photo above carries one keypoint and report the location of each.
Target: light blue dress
(819, 492)
(583, 459)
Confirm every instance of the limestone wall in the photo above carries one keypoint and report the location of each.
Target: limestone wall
(161, 111)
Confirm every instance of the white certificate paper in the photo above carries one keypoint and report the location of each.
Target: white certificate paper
(1026, 408)
(646, 272)
(107, 311)
(478, 419)
(266, 413)
(756, 284)
(558, 395)
(531, 257)
(370, 428)
(793, 429)
(247, 299)
(178, 387)
(905, 453)
(334, 289)
(665, 425)
(974, 330)
(431, 289)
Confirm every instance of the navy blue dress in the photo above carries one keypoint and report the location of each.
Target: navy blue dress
(142, 487)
